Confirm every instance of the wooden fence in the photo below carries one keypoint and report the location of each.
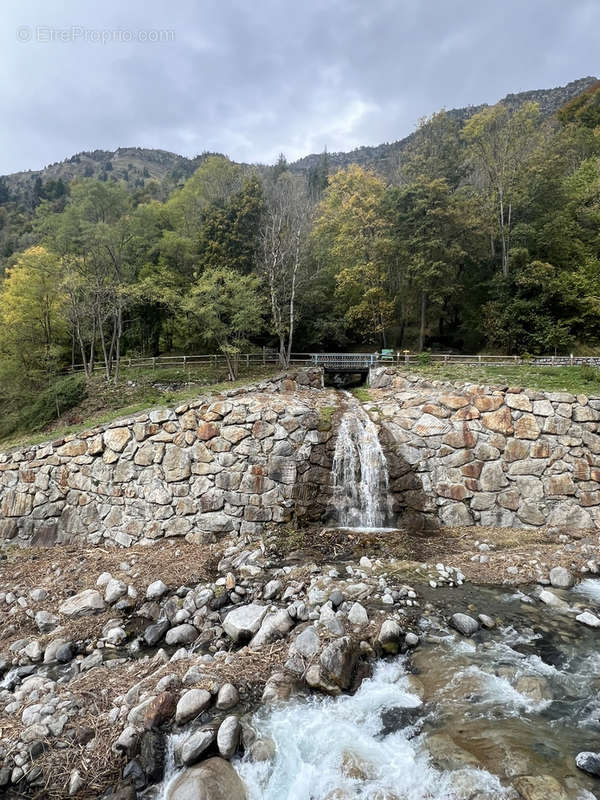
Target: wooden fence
(271, 358)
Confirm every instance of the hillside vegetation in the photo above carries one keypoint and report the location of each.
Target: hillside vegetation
(481, 231)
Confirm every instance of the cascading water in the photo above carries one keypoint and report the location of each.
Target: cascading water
(361, 497)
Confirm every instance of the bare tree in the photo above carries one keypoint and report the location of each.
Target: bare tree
(500, 142)
(283, 239)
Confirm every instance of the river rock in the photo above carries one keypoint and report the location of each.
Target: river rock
(358, 615)
(190, 704)
(228, 736)
(389, 636)
(308, 643)
(550, 599)
(126, 740)
(196, 744)
(214, 779)
(152, 755)
(156, 590)
(272, 589)
(182, 634)
(75, 782)
(228, 697)
(464, 624)
(588, 762)
(159, 710)
(589, 619)
(338, 661)
(336, 598)
(45, 621)
(89, 601)
(114, 590)
(154, 633)
(274, 626)
(116, 636)
(447, 755)
(540, 787)
(243, 622)
(561, 578)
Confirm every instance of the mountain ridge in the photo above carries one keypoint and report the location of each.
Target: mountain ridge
(139, 165)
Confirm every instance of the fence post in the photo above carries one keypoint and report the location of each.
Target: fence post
(479, 359)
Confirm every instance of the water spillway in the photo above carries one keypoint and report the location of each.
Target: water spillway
(361, 497)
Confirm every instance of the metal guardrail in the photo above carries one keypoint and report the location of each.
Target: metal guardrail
(344, 361)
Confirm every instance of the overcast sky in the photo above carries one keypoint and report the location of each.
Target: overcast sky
(252, 78)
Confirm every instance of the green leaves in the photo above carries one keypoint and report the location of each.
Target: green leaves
(227, 309)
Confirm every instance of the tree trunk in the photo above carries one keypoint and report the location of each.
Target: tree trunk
(422, 324)
(118, 343)
(503, 232)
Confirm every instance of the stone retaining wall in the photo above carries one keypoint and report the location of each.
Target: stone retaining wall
(467, 454)
(213, 466)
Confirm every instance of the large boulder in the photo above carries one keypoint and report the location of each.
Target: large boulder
(214, 779)
(243, 622)
(89, 601)
(338, 661)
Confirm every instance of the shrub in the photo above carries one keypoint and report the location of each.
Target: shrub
(38, 411)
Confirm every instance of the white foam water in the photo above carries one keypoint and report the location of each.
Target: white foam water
(172, 744)
(590, 589)
(315, 738)
(361, 497)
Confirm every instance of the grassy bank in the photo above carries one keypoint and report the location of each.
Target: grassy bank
(577, 380)
(72, 404)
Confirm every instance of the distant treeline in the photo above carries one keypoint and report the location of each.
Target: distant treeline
(486, 234)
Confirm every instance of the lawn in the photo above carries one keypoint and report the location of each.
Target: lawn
(136, 391)
(577, 379)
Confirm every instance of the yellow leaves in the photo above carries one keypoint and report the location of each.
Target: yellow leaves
(30, 303)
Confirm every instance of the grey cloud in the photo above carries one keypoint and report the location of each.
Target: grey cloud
(252, 79)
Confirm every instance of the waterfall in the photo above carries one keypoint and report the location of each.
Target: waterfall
(172, 745)
(361, 495)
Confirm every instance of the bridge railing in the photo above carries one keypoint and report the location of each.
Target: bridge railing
(344, 360)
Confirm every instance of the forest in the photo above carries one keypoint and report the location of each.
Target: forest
(485, 237)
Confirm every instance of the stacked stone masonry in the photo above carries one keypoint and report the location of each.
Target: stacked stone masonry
(457, 455)
(213, 466)
(467, 454)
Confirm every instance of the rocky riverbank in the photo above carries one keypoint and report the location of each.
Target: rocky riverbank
(116, 662)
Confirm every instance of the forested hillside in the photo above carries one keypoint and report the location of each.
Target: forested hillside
(484, 234)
